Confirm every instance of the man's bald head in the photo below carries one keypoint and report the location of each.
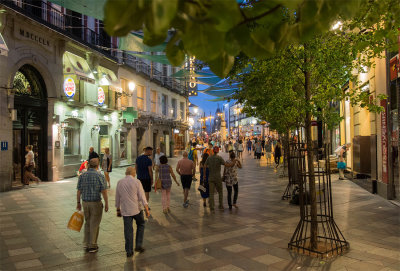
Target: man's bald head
(185, 154)
(130, 171)
(94, 163)
(91, 149)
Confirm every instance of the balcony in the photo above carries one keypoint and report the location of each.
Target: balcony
(153, 74)
(69, 23)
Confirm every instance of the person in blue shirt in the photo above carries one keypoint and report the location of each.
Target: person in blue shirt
(144, 171)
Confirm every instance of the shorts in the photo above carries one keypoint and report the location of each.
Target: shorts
(146, 183)
(186, 181)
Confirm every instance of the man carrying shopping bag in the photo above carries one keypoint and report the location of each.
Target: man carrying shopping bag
(91, 185)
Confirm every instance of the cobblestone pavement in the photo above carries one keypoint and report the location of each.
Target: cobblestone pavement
(254, 237)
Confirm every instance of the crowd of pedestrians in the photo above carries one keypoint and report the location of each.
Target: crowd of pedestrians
(133, 192)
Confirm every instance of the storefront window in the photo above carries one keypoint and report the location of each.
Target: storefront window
(122, 145)
(140, 97)
(71, 137)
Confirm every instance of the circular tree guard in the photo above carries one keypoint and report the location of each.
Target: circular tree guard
(327, 240)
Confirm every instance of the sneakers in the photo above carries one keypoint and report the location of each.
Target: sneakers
(140, 249)
(93, 249)
(234, 205)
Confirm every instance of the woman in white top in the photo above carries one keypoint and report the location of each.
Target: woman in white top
(29, 166)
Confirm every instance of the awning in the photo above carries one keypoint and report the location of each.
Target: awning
(76, 64)
(3, 47)
(92, 8)
(134, 42)
(220, 93)
(208, 80)
(218, 99)
(106, 76)
(155, 58)
(219, 88)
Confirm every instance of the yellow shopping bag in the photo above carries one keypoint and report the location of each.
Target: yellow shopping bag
(76, 221)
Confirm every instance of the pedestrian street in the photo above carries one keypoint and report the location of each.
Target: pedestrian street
(34, 234)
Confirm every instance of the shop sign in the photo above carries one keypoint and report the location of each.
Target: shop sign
(101, 97)
(384, 140)
(69, 87)
(27, 34)
(176, 131)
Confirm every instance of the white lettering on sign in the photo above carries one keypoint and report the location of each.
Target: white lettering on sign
(69, 87)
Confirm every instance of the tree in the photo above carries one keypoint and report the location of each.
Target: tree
(217, 31)
(300, 82)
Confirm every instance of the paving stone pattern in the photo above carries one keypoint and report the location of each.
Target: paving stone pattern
(33, 233)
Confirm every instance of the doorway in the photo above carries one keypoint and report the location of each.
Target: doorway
(31, 124)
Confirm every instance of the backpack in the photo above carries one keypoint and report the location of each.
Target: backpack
(190, 156)
(337, 151)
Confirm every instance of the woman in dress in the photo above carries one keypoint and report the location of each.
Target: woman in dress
(204, 172)
(164, 176)
(231, 179)
(107, 165)
(29, 166)
(240, 149)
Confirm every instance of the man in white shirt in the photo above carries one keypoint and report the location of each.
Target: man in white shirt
(129, 197)
(157, 157)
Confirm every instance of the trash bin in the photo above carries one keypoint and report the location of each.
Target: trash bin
(374, 187)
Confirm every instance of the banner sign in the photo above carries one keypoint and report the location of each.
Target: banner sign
(101, 97)
(69, 87)
(384, 140)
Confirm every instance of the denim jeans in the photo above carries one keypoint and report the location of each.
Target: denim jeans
(235, 194)
(128, 231)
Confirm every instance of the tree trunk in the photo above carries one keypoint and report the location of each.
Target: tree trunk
(310, 161)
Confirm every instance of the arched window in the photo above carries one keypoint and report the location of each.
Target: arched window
(28, 82)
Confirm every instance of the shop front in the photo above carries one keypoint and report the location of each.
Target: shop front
(29, 126)
(85, 116)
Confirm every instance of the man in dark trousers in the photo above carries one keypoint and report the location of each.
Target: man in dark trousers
(92, 154)
(144, 168)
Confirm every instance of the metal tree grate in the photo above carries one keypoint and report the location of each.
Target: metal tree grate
(330, 240)
(292, 172)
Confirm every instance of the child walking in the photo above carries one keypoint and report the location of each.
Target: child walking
(164, 176)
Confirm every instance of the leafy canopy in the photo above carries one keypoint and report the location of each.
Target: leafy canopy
(215, 31)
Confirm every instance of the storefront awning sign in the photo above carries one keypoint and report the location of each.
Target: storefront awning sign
(107, 76)
(69, 87)
(74, 64)
(101, 97)
(129, 115)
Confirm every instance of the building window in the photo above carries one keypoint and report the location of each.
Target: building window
(182, 111)
(174, 113)
(140, 97)
(124, 99)
(153, 101)
(164, 103)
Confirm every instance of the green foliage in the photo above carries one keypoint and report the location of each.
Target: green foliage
(222, 29)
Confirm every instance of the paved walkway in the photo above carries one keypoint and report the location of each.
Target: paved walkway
(254, 237)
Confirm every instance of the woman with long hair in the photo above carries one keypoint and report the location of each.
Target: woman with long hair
(204, 172)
